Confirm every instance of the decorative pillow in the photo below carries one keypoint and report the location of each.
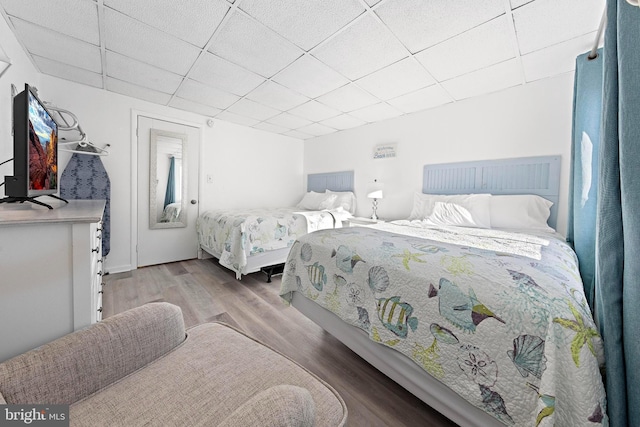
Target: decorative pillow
(450, 214)
(477, 205)
(346, 199)
(316, 201)
(521, 211)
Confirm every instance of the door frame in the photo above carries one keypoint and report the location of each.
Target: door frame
(134, 171)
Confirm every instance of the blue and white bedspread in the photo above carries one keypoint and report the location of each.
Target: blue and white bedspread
(235, 235)
(498, 317)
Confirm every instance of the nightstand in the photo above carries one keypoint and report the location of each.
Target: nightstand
(361, 221)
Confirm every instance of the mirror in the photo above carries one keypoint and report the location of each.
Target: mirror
(167, 179)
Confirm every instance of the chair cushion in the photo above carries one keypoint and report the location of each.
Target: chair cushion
(212, 374)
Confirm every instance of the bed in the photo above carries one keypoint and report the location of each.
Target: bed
(250, 240)
(488, 326)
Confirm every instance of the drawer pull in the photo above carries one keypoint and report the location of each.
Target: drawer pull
(100, 273)
(101, 292)
(100, 310)
(95, 249)
(100, 260)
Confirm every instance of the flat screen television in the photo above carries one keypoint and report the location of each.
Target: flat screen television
(35, 148)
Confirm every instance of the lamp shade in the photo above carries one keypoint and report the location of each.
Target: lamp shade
(376, 194)
(375, 190)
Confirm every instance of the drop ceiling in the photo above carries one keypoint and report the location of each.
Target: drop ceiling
(303, 68)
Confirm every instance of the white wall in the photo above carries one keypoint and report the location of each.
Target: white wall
(249, 167)
(529, 120)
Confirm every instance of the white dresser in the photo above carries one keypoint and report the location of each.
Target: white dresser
(50, 272)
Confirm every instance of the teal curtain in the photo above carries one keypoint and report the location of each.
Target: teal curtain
(170, 194)
(617, 279)
(583, 186)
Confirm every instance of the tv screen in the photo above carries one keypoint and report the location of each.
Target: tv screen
(35, 148)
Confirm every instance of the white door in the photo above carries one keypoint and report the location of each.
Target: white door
(157, 245)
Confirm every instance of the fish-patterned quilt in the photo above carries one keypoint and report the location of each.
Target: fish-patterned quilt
(239, 234)
(498, 317)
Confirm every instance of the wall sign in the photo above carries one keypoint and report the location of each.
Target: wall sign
(385, 151)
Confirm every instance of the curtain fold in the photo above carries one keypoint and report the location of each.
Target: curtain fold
(583, 186)
(617, 279)
(170, 193)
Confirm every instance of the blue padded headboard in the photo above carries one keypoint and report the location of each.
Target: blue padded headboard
(334, 181)
(524, 175)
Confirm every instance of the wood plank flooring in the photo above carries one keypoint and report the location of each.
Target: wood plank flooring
(207, 292)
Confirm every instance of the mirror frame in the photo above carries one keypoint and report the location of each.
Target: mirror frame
(153, 178)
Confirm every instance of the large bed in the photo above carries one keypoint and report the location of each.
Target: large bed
(250, 240)
(488, 326)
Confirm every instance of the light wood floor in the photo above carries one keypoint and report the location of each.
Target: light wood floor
(207, 292)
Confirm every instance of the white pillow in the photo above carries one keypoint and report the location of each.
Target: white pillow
(344, 199)
(477, 204)
(316, 201)
(450, 214)
(521, 211)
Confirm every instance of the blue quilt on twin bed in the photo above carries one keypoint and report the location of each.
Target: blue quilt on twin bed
(498, 317)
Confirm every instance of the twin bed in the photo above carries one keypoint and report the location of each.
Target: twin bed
(248, 240)
(486, 322)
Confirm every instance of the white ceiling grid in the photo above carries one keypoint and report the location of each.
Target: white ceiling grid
(303, 68)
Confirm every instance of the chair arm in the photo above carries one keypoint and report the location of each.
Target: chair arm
(81, 363)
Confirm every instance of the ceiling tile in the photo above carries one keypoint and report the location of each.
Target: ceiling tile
(136, 40)
(316, 129)
(203, 94)
(75, 18)
(343, 121)
(314, 111)
(491, 79)
(310, 77)
(250, 44)
(304, 22)
(429, 97)
(376, 112)
(50, 44)
(361, 48)
(477, 48)
(372, 2)
(298, 134)
(128, 89)
(236, 118)
(123, 68)
(421, 24)
(348, 98)
(247, 107)
(289, 120)
(556, 59)
(544, 23)
(396, 79)
(194, 107)
(278, 96)
(193, 21)
(68, 72)
(271, 128)
(215, 71)
(517, 3)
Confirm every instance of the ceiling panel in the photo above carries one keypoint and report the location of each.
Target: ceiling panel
(203, 94)
(343, 121)
(249, 108)
(246, 42)
(298, 134)
(397, 79)
(429, 97)
(376, 112)
(215, 71)
(421, 24)
(271, 128)
(75, 18)
(314, 111)
(348, 98)
(136, 40)
(195, 107)
(68, 72)
(193, 21)
(305, 22)
(277, 96)
(491, 79)
(316, 129)
(362, 48)
(50, 44)
(129, 89)
(236, 118)
(289, 120)
(480, 47)
(543, 23)
(310, 77)
(124, 68)
(517, 3)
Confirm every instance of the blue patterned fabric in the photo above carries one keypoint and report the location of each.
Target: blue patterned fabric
(617, 289)
(86, 178)
(587, 113)
(170, 194)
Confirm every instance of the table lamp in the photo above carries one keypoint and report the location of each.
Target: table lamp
(375, 192)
